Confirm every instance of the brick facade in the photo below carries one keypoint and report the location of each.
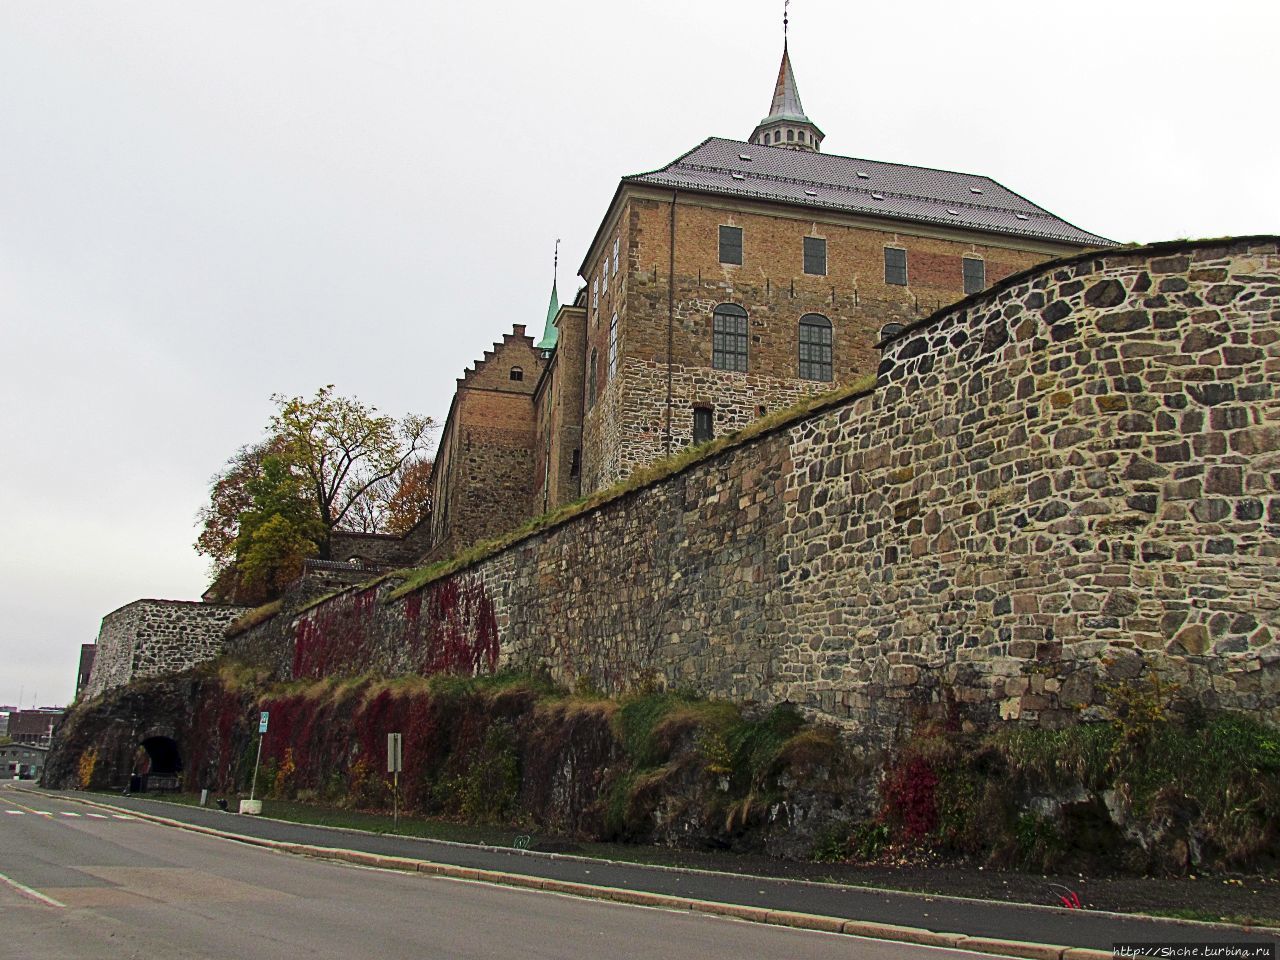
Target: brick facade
(557, 475)
(627, 426)
(483, 478)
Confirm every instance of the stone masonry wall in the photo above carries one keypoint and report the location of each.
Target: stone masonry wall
(150, 637)
(1067, 483)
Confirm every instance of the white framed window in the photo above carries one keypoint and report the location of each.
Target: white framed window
(616, 243)
(613, 346)
(595, 294)
(604, 276)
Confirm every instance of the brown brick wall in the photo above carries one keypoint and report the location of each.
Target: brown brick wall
(483, 479)
(558, 406)
(621, 431)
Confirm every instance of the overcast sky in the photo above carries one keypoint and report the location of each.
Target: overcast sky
(205, 204)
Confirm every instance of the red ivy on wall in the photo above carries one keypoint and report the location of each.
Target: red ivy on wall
(448, 627)
(334, 637)
(459, 632)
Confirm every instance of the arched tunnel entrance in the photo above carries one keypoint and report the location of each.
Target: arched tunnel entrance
(159, 765)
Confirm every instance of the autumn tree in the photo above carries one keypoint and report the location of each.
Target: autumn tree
(326, 463)
(277, 533)
(396, 504)
(229, 497)
(345, 448)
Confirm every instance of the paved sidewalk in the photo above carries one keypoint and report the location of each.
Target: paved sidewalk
(975, 918)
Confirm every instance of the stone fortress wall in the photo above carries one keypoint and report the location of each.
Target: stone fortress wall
(1065, 483)
(151, 637)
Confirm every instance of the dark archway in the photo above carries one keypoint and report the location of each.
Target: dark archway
(164, 764)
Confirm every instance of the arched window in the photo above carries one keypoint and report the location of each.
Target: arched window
(591, 378)
(517, 373)
(815, 347)
(729, 338)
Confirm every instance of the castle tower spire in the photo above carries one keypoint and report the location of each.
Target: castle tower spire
(550, 334)
(786, 125)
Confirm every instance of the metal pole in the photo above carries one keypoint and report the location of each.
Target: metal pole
(395, 804)
(254, 785)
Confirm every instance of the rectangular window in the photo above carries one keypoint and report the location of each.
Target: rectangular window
(604, 276)
(729, 340)
(595, 294)
(975, 274)
(895, 266)
(703, 430)
(616, 241)
(731, 245)
(815, 256)
(613, 346)
(575, 465)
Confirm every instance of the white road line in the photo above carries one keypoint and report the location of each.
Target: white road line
(43, 813)
(23, 889)
(68, 813)
(123, 816)
(98, 816)
(16, 813)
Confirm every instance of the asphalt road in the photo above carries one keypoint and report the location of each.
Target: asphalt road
(1079, 928)
(82, 884)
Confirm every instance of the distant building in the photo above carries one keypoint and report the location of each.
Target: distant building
(34, 727)
(22, 761)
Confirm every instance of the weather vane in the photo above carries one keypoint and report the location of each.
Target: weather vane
(555, 266)
(785, 4)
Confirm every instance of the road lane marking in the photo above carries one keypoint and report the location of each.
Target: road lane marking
(123, 816)
(16, 813)
(26, 891)
(98, 816)
(68, 813)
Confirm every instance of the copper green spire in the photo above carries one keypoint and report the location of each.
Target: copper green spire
(787, 125)
(549, 333)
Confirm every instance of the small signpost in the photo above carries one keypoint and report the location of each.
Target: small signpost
(251, 805)
(395, 761)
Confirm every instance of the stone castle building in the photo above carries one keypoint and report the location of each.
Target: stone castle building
(738, 279)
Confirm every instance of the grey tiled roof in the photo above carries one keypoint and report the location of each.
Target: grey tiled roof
(891, 190)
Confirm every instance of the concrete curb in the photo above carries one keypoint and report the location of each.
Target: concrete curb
(785, 918)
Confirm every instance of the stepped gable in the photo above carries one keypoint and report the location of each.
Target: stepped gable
(893, 191)
(481, 374)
